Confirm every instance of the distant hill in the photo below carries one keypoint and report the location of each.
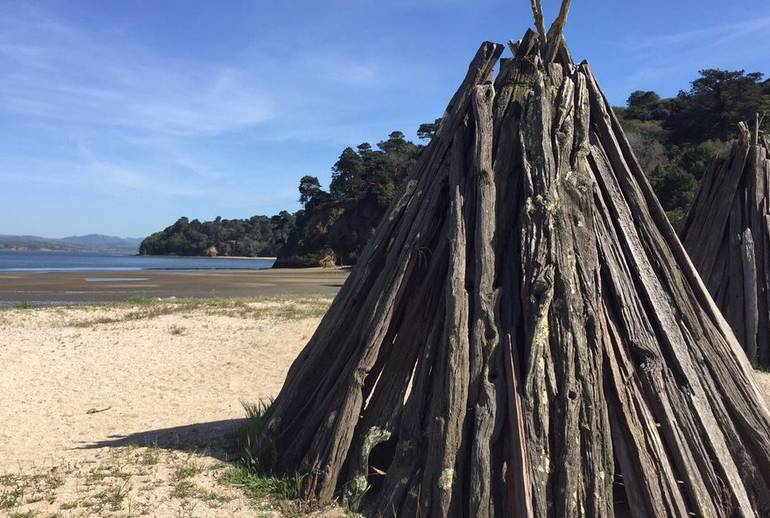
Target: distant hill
(95, 243)
(102, 241)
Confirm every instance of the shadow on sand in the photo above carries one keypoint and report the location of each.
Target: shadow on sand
(216, 438)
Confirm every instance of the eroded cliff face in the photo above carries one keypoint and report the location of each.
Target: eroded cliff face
(330, 233)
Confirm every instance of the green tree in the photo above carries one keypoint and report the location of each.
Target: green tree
(428, 130)
(646, 106)
(309, 189)
(347, 172)
(364, 182)
(675, 188)
(379, 178)
(696, 158)
(258, 235)
(714, 105)
(281, 225)
(396, 143)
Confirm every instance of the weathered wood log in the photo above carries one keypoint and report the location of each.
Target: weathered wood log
(556, 32)
(725, 233)
(537, 14)
(525, 335)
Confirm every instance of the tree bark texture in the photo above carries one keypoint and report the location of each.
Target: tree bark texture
(727, 235)
(525, 335)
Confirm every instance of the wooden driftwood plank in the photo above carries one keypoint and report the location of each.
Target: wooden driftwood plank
(750, 311)
(519, 476)
(556, 32)
(484, 332)
(443, 478)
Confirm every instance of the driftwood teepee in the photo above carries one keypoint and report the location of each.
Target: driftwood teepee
(727, 234)
(525, 335)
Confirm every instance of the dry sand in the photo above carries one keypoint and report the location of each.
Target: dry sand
(85, 390)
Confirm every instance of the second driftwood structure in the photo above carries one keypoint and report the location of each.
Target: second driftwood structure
(727, 234)
(525, 334)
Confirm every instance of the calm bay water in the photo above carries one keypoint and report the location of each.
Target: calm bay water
(65, 262)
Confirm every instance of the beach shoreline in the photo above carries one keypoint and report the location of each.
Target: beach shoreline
(123, 253)
(174, 256)
(99, 286)
(226, 257)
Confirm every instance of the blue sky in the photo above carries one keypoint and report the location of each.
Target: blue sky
(118, 117)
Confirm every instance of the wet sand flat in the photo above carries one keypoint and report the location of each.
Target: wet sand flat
(76, 287)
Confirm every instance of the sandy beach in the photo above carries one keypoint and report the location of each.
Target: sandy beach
(129, 409)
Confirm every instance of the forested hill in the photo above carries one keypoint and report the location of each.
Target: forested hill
(335, 225)
(259, 236)
(674, 139)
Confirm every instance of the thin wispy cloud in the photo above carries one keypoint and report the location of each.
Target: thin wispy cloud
(128, 120)
(676, 57)
(130, 182)
(713, 36)
(77, 78)
(127, 117)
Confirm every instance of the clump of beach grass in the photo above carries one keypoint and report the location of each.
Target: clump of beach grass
(176, 330)
(186, 470)
(255, 475)
(10, 498)
(148, 456)
(113, 496)
(284, 308)
(129, 481)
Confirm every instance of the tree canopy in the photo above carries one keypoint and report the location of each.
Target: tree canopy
(674, 139)
(714, 105)
(257, 236)
(336, 225)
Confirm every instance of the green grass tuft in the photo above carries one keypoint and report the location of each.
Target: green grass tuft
(262, 486)
(253, 432)
(255, 473)
(183, 489)
(113, 496)
(10, 498)
(187, 470)
(176, 330)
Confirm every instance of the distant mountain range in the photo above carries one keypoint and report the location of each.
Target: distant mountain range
(73, 244)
